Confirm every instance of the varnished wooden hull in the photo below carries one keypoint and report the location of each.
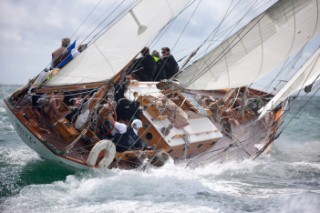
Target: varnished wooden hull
(197, 147)
(36, 142)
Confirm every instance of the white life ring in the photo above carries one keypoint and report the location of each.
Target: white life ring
(110, 152)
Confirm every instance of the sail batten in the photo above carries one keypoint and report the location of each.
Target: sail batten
(257, 48)
(116, 47)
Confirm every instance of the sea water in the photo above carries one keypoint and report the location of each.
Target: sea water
(287, 180)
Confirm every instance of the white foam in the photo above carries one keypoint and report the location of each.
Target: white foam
(302, 202)
(167, 188)
(172, 188)
(2, 110)
(18, 155)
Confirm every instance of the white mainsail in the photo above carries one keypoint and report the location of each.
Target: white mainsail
(308, 74)
(257, 48)
(116, 47)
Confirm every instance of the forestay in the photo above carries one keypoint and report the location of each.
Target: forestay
(257, 48)
(308, 73)
(116, 47)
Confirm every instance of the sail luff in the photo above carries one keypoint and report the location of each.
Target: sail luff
(117, 46)
(307, 74)
(257, 48)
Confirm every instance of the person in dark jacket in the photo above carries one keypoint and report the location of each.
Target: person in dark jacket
(145, 67)
(170, 65)
(160, 72)
(127, 109)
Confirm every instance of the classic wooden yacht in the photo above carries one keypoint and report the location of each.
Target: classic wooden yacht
(208, 112)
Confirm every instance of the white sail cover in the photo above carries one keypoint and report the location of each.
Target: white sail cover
(308, 74)
(257, 48)
(116, 47)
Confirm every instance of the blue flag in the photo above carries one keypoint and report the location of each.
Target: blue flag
(69, 56)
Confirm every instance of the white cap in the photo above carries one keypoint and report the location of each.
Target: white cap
(136, 124)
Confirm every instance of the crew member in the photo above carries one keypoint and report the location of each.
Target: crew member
(126, 138)
(170, 65)
(56, 105)
(127, 109)
(160, 71)
(61, 53)
(145, 67)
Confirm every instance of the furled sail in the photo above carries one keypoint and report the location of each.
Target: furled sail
(117, 46)
(308, 74)
(257, 48)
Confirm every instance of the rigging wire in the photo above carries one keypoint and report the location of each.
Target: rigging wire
(300, 52)
(85, 19)
(273, 126)
(211, 64)
(49, 64)
(291, 47)
(181, 33)
(165, 28)
(186, 25)
(111, 22)
(91, 28)
(213, 32)
(294, 116)
(136, 111)
(283, 128)
(223, 54)
(178, 39)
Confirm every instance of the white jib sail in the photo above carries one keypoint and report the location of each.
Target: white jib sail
(116, 47)
(257, 48)
(307, 74)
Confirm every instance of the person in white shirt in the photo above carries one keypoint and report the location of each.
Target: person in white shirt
(126, 138)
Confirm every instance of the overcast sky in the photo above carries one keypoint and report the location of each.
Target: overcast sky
(31, 29)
